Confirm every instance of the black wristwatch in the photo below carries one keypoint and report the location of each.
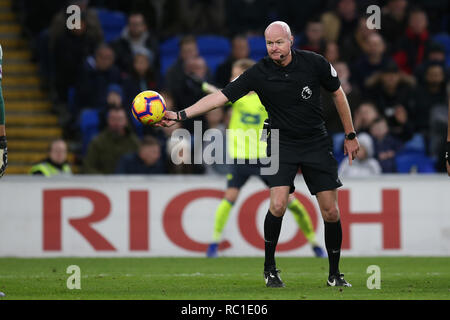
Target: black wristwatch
(350, 135)
(181, 115)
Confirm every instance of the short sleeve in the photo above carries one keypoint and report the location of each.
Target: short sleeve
(238, 88)
(327, 74)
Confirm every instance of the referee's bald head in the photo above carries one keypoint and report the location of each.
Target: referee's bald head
(277, 25)
(279, 41)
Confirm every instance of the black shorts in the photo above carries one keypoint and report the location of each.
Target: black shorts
(316, 161)
(240, 173)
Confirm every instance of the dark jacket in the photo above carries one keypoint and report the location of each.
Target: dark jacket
(105, 150)
(132, 164)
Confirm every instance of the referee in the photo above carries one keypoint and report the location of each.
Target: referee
(288, 83)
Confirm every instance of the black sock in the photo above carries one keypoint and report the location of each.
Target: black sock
(272, 227)
(333, 241)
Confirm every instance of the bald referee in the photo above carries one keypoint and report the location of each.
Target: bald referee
(288, 83)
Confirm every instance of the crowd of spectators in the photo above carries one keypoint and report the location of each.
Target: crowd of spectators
(396, 78)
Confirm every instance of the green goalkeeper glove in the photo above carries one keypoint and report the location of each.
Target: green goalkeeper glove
(3, 155)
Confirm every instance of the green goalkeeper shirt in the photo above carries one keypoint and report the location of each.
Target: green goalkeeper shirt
(2, 104)
(244, 130)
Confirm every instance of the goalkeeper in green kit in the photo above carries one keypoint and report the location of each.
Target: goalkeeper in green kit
(249, 114)
(3, 148)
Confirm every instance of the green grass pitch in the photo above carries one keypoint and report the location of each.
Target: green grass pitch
(221, 278)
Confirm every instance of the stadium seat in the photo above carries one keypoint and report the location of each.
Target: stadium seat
(444, 40)
(169, 47)
(213, 45)
(338, 145)
(166, 62)
(89, 126)
(410, 162)
(415, 144)
(214, 49)
(112, 23)
(213, 62)
(257, 46)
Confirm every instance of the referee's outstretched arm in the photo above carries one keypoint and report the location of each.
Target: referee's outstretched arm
(205, 104)
(351, 147)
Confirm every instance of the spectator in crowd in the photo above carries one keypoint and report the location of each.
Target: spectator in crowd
(430, 110)
(215, 120)
(428, 95)
(69, 52)
(201, 17)
(180, 154)
(354, 46)
(392, 92)
(175, 74)
(394, 21)
(296, 13)
(141, 78)
(365, 164)
(341, 22)
(56, 163)
(414, 43)
(374, 59)
(364, 116)
(135, 38)
(59, 23)
(105, 149)
(332, 119)
(246, 16)
(147, 160)
(435, 54)
(35, 16)
(313, 39)
(332, 52)
(114, 99)
(194, 74)
(239, 50)
(386, 145)
(96, 77)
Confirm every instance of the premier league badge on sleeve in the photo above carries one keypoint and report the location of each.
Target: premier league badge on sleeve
(306, 93)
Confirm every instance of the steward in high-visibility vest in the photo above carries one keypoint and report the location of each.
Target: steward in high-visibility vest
(50, 169)
(56, 163)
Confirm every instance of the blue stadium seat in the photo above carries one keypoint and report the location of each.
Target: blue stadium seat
(112, 23)
(213, 45)
(89, 126)
(166, 62)
(415, 144)
(71, 105)
(213, 62)
(338, 145)
(214, 49)
(257, 46)
(414, 162)
(169, 47)
(444, 40)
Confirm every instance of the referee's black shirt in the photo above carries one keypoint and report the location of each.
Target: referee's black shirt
(291, 94)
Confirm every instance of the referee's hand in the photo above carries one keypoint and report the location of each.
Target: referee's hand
(170, 118)
(351, 148)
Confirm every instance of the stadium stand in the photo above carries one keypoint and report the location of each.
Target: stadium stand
(112, 23)
(33, 119)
